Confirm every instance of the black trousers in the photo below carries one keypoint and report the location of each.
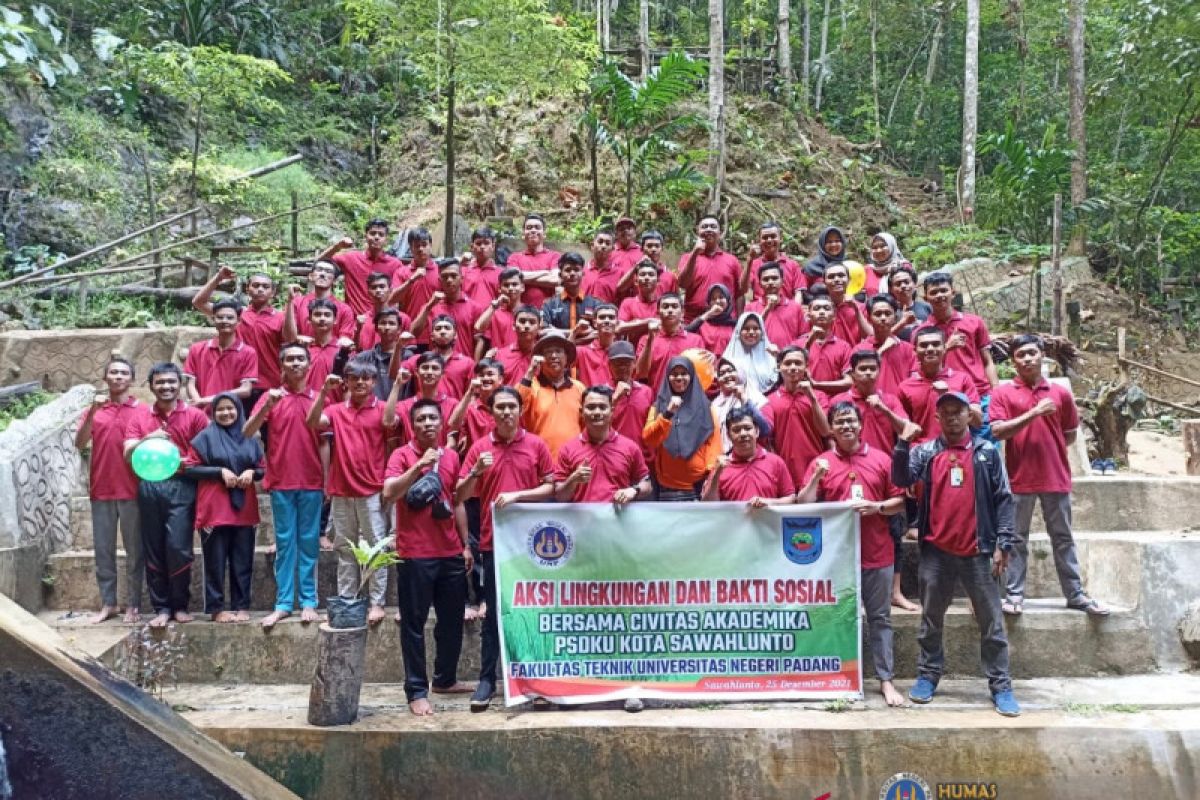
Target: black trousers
(440, 583)
(489, 637)
(232, 547)
(167, 511)
(475, 579)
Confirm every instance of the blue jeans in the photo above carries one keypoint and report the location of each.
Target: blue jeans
(297, 514)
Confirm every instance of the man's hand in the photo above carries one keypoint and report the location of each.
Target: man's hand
(757, 502)
(1045, 407)
(98, 401)
(274, 396)
(911, 431)
(772, 302)
(653, 326)
(535, 367)
(417, 274)
(959, 339)
(865, 508)
(874, 401)
(817, 333)
(623, 388)
(999, 562)
(822, 467)
(806, 386)
(503, 302)
(755, 251)
(699, 247)
(403, 376)
(941, 387)
(582, 473)
(468, 558)
(582, 328)
(304, 340)
(476, 387)
(332, 381)
(428, 457)
(909, 318)
(225, 273)
(345, 343)
(295, 291)
(361, 319)
(505, 499)
(484, 463)
(674, 404)
(722, 462)
(624, 496)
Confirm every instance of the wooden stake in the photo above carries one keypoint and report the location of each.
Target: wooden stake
(1056, 321)
(1191, 445)
(337, 681)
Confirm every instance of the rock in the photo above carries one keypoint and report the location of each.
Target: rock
(1189, 632)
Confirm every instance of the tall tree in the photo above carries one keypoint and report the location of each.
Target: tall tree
(939, 31)
(966, 198)
(822, 59)
(644, 37)
(874, 24)
(783, 34)
(1076, 124)
(716, 102)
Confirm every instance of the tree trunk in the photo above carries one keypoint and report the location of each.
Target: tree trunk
(939, 30)
(196, 153)
(970, 112)
(784, 33)
(448, 237)
(337, 681)
(874, 12)
(644, 37)
(716, 101)
(805, 75)
(593, 161)
(1076, 124)
(822, 68)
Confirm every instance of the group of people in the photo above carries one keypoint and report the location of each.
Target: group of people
(436, 390)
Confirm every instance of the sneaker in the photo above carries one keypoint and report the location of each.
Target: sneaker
(1110, 467)
(634, 705)
(922, 691)
(1006, 704)
(1098, 466)
(482, 698)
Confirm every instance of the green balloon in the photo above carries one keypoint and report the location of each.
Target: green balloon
(155, 459)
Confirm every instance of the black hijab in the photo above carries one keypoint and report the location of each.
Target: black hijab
(815, 268)
(692, 425)
(726, 318)
(221, 446)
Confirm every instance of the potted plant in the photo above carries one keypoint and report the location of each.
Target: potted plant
(351, 612)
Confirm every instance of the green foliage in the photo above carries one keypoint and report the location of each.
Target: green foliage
(106, 310)
(22, 407)
(638, 120)
(939, 248)
(371, 558)
(1018, 194)
(32, 51)
(208, 77)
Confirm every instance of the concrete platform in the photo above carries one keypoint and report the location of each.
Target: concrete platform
(1075, 739)
(1048, 640)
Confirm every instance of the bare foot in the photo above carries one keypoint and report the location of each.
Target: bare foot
(241, 616)
(376, 615)
(182, 617)
(270, 549)
(160, 620)
(900, 601)
(270, 619)
(326, 543)
(107, 612)
(482, 610)
(471, 613)
(910, 535)
(421, 707)
(458, 688)
(309, 615)
(890, 695)
(223, 616)
(132, 614)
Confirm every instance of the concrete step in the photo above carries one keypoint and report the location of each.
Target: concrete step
(81, 522)
(1047, 641)
(1121, 737)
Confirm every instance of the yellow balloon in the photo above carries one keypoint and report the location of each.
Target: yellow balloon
(703, 361)
(858, 277)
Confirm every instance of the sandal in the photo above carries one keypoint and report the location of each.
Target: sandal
(1013, 606)
(1088, 606)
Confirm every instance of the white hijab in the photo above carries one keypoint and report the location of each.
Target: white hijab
(758, 368)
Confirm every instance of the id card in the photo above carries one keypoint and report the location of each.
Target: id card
(856, 491)
(956, 477)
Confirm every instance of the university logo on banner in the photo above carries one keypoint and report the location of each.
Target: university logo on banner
(801, 539)
(550, 544)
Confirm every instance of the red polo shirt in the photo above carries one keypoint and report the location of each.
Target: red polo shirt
(404, 422)
(969, 357)
(1037, 455)
(420, 292)
(845, 321)
(791, 276)
(952, 525)
(591, 365)
(919, 399)
(456, 372)
(870, 470)
(634, 310)
(797, 440)
(720, 267)
(262, 329)
(368, 337)
(896, 364)
(786, 321)
(665, 347)
(828, 359)
(616, 463)
(762, 475)
(624, 259)
(213, 506)
(216, 370)
(464, 312)
(181, 426)
(477, 423)
(320, 365)
(602, 283)
(877, 429)
(535, 262)
(293, 456)
(501, 329)
(482, 284)
(345, 323)
(356, 467)
(715, 337)
(524, 463)
(516, 363)
(110, 477)
(356, 265)
(631, 412)
(418, 534)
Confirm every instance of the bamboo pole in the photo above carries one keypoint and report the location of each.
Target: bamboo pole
(266, 169)
(1128, 362)
(95, 250)
(80, 276)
